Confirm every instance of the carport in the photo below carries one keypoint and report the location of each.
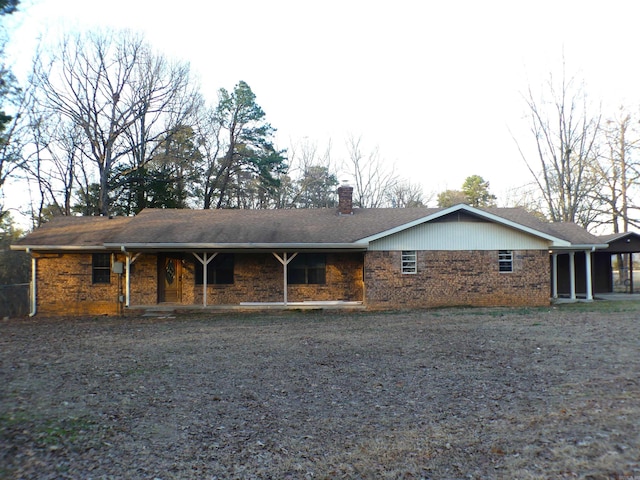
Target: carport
(623, 246)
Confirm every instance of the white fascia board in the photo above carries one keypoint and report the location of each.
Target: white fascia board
(66, 248)
(582, 246)
(489, 216)
(239, 246)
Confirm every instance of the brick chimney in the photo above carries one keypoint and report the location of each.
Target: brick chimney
(345, 199)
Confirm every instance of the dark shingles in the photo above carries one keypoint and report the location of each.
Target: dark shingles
(261, 226)
(75, 231)
(566, 230)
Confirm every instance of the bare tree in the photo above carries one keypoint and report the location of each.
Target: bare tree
(619, 170)
(373, 179)
(55, 148)
(168, 104)
(565, 133)
(112, 87)
(13, 137)
(528, 198)
(312, 177)
(404, 194)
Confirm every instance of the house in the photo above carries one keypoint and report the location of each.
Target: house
(384, 258)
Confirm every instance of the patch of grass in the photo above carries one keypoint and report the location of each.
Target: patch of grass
(494, 312)
(55, 431)
(20, 427)
(603, 306)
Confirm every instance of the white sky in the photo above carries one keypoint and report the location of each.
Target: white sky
(435, 85)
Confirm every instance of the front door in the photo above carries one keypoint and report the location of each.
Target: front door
(169, 279)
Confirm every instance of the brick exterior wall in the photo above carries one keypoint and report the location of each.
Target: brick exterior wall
(143, 283)
(258, 278)
(444, 278)
(457, 278)
(344, 281)
(65, 286)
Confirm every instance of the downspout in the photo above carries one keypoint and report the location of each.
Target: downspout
(364, 276)
(34, 304)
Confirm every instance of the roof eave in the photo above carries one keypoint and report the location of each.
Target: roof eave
(238, 246)
(65, 248)
(581, 246)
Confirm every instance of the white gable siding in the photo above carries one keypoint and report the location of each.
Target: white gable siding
(460, 236)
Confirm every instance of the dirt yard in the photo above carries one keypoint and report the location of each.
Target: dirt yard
(443, 394)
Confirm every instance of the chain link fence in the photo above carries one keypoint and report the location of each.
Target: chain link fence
(14, 300)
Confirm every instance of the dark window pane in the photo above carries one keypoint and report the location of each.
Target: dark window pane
(296, 276)
(101, 268)
(222, 268)
(307, 268)
(316, 276)
(219, 270)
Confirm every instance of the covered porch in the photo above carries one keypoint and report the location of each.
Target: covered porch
(572, 273)
(242, 279)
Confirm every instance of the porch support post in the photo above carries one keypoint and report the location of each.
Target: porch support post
(285, 261)
(127, 277)
(572, 275)
(285, 277)
(127, 280)
(630, 272)
(33, 290)
(587, 258)
(554, 274)
(204, 261)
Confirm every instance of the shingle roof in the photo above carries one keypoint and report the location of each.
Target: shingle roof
(297, 226)
(571, 232)
(262, 226)
(616, 236)
(574, 233)
(75, 232)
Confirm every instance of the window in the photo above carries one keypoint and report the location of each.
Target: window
(307, 268)
(219, 270)
(409, 261)
(101, 267)
(505, 260)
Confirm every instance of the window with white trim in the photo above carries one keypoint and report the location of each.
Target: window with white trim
(409, 261)
(505, 261)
